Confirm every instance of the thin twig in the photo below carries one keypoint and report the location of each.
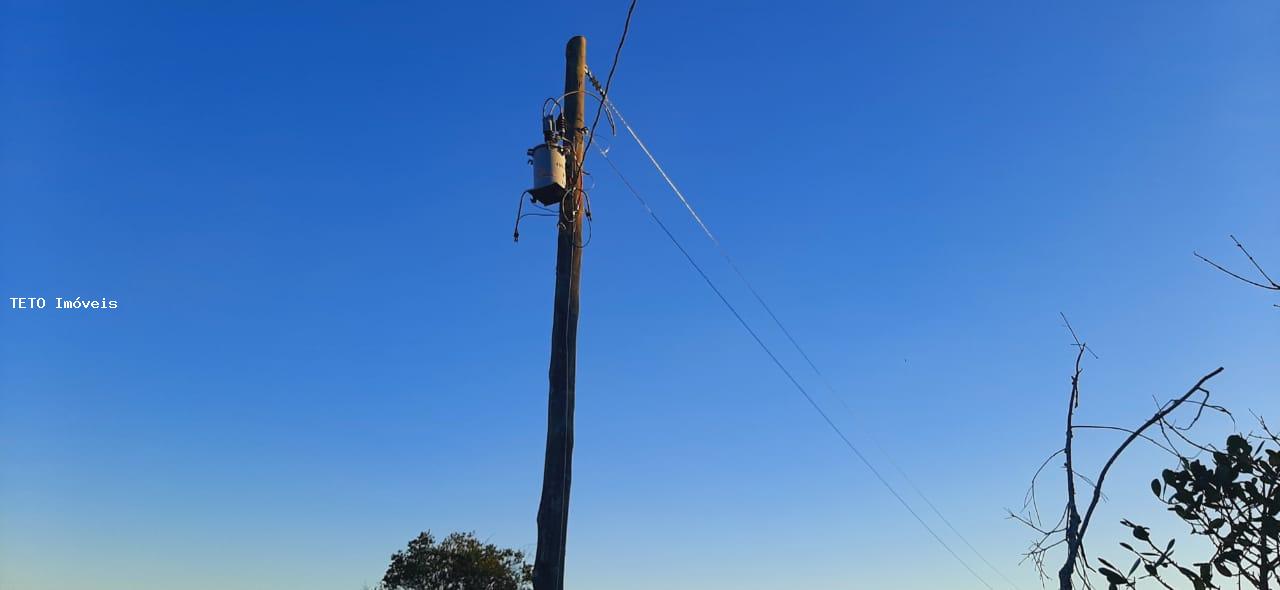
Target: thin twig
(1270, 285)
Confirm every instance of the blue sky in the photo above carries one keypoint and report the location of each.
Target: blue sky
(327, 342)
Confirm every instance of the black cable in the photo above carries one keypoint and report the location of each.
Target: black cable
(515, 235)
(604, 93)
(520, 214)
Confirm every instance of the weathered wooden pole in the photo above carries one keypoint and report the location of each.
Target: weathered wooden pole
(553, 512)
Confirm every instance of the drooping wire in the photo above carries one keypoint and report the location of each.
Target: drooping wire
(612, 106)
(515, 235)
(586, 210)
(777, 362)
(556, 101)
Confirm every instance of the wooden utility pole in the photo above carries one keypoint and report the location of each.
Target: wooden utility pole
(553, 512)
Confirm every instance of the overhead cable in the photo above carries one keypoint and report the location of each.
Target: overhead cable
(790, 377)
(611, 105)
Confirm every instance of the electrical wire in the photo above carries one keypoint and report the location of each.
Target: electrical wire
(608, 80)
(557, 100)
(611, 105)
(586, 210)
(520, 214)
(777, 362)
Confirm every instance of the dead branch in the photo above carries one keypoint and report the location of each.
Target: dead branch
(1270, 284)
(1071, 528)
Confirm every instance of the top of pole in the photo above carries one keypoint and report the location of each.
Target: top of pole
(575, 58)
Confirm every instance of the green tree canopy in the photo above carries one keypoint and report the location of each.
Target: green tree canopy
(1234, 503)
(459, 562)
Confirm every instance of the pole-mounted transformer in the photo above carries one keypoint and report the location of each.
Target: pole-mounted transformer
(550, 180)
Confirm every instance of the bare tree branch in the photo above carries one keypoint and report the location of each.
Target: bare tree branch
(1143, 436)
(1270, 284)
(1072, 527)
(1158, 417)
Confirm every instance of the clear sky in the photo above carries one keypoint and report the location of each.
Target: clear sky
(326, 340)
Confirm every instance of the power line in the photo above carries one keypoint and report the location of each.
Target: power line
(755, 336)
(944, 519)
(777, 321)
(604, 92)
(605, 105)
